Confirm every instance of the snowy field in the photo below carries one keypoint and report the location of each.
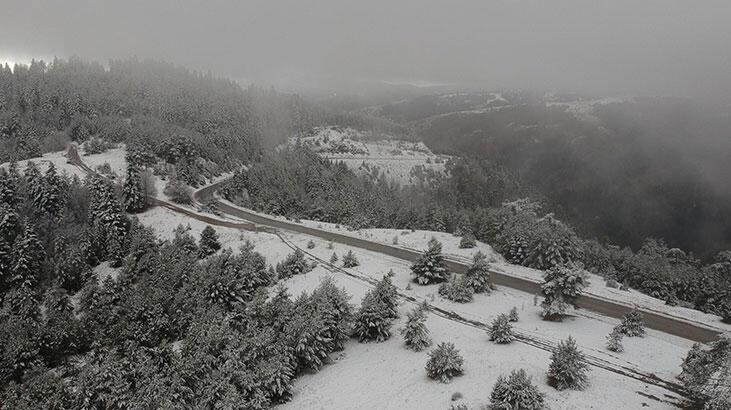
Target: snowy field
(398, 160)
(387, 375)
(114, 157)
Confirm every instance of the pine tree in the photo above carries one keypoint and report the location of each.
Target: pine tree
(9, 223)
(349, 260)
(294, 264)
(28, 256)
(568, 369)
(332, 305)
(52, 201)
(445, 362)
(516, 392)
(478, 274)
(513, 315)
(334, 258)
(468, 241)
(6, 261)
(132, 191)
(501, 331)
(561, 287)
(416, 335)
(430, 266)
(633, 324)
(184, 241)
(614, 340)
(373, 321)
(457, 289)
(34, 184)
(8, 187)
(208, 243)
(385, 293)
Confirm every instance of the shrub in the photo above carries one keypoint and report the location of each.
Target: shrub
(310, 244)
(516, 392)
(501, 331)
(96, 146)
(373, 321)
(561, 287)
(416, 335)
(633, 324)
(568, 369)
(513, 315)
(478, 274)
(468, 241)
(445, 362)
(293, 264)
(457, 289)
(430, 266)
(349, 260)
(178, 192)
(334, 258)
(614, 340)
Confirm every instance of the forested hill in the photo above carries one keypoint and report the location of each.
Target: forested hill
(619, 169)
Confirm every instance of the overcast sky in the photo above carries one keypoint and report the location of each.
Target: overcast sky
(666, 47)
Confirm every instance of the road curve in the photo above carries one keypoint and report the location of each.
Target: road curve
(653, 320)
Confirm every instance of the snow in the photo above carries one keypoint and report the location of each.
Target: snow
(114, 157)
(395, 376)
(363, 152)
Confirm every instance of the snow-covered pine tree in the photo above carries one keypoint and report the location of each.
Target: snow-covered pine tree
(478, 274)
(34, 185)
(52, 198)
(8, 188)
(513, 315)
(516, 392)
(208, 243)
(385, 293)
(501, 331)
(568, 369)
(633, 324)
(614, 339)
(468, 241)
(372, 322)
(6, 260)
(457, 289)
(28, 256)
(415, 332)
(294, 264)
(133, 193)
(445, 362)
(9, 223)
(518, 249)
(334, 258)
(349, 260)
(562, 285)
(430, 266)
(332, 305)
(184, 241)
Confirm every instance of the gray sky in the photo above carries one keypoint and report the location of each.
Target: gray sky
(667, 47)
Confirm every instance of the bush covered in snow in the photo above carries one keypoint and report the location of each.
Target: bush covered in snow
(445, 362)
(430, 267)
(614, 339)
(706, 372)
(468, 241)
(178, 192)
(208, 243)
(568, 369)
(513, 315)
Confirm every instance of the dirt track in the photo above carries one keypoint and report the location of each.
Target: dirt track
(668, 324)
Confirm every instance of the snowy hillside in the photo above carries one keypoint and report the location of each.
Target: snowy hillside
(401, 161)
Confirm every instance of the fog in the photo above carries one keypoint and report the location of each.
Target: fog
(658, 47)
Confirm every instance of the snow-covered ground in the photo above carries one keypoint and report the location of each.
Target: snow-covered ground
(114, 157)
(400, 161)
(387, 375)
